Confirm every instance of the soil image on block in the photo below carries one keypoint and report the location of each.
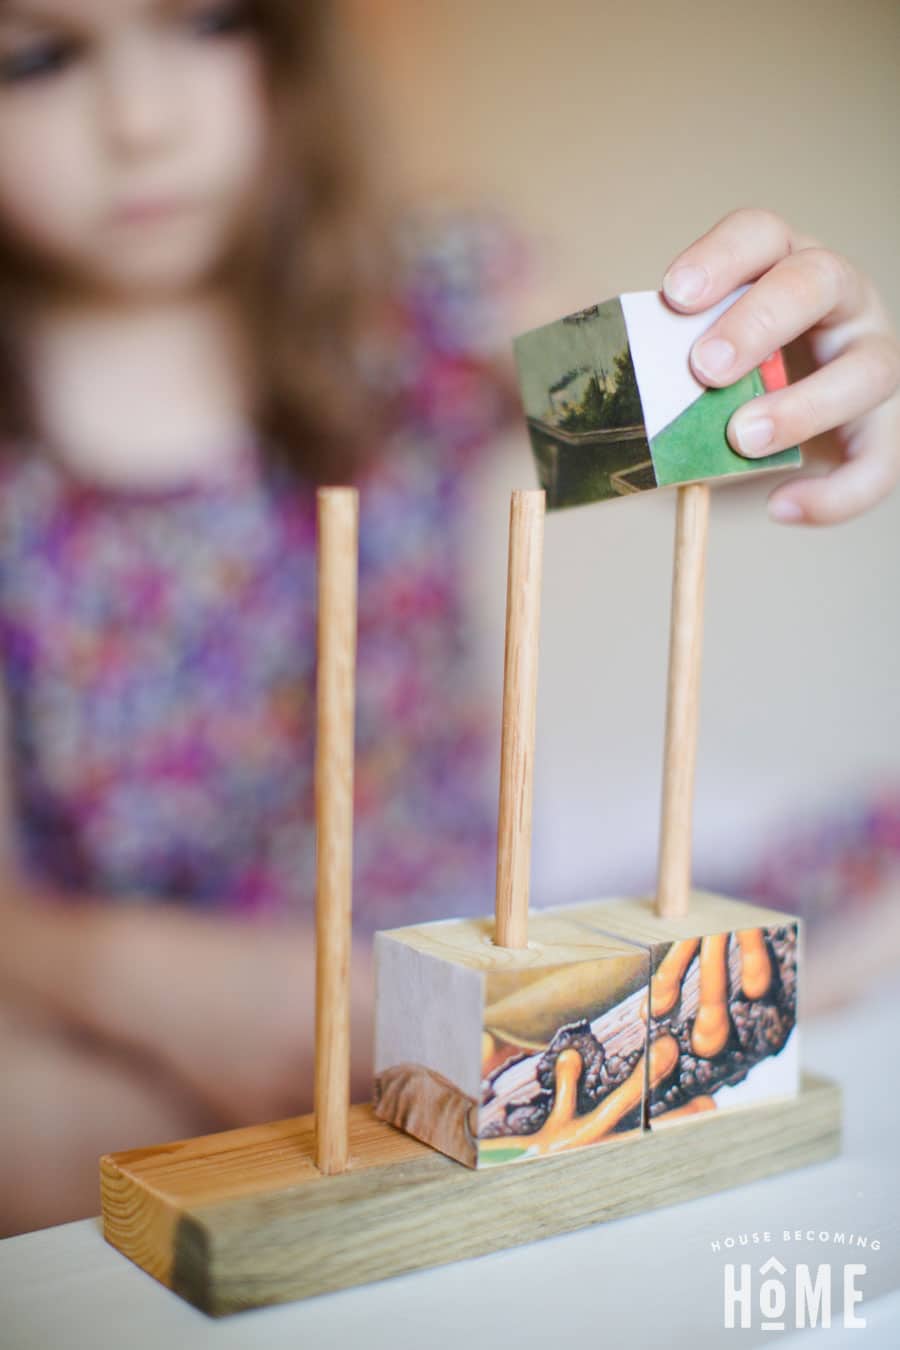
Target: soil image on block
(563, 1059)
(715, 1009)
(730, 1003)
(583, 408)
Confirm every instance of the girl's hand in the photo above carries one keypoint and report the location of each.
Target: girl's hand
(841, 349)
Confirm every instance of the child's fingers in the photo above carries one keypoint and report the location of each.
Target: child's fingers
(864, 376)
(740, 248)
(814, 286)
(847, 491)
(799, 287)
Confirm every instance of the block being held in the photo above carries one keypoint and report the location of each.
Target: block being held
(613, 406)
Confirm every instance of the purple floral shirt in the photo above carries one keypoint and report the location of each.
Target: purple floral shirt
(158, 650)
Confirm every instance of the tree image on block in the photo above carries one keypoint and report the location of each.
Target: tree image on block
(583, 407)
(613, 407)
(586, 414)
(624, 403)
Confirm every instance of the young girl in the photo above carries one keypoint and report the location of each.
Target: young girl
(197, 326)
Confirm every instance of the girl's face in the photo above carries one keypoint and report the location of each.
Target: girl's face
(132, 135)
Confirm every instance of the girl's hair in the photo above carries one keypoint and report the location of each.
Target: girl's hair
(313, 271)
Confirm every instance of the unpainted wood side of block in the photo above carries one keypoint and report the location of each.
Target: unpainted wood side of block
(428, 1020)
(552, 941)
(634, 918)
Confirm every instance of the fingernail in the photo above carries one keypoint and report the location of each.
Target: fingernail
(785, 511)
(714, 356)
(685, 284)
(753, 434)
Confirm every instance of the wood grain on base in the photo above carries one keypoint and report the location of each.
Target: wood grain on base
(243, 1219)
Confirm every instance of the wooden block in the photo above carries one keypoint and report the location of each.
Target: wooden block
(494, 1054)
(614, 408)
(243, 1219)
(725, 987)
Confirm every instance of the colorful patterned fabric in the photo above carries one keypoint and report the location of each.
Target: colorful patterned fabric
(833, 864)
(159, 654)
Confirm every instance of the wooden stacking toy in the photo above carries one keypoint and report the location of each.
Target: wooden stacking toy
(527, 1067)
(689, 997)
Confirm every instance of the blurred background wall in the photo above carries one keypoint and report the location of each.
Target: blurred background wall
(613, 135)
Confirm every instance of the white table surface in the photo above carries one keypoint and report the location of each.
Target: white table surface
(650, 1280)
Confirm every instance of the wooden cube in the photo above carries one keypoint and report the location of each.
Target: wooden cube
(613, 406)
(724, 988)
(494, 1054)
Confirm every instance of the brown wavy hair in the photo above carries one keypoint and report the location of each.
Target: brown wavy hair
(314, 271)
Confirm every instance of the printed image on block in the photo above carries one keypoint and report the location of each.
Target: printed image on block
(729, 1003)
(583, 408)
(496, 1055)
(685, 421)
(722, 1002)
(564, 1059)
(613, 407)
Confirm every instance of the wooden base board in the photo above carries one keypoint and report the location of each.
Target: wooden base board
(243, 1218)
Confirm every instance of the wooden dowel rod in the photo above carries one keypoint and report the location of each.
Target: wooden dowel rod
(520, 667)
(338, 551)
(683, 700)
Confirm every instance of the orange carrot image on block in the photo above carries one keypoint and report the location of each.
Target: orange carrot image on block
(665, 987)
(756, 964)
(563, 1129)
(711, 1026)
